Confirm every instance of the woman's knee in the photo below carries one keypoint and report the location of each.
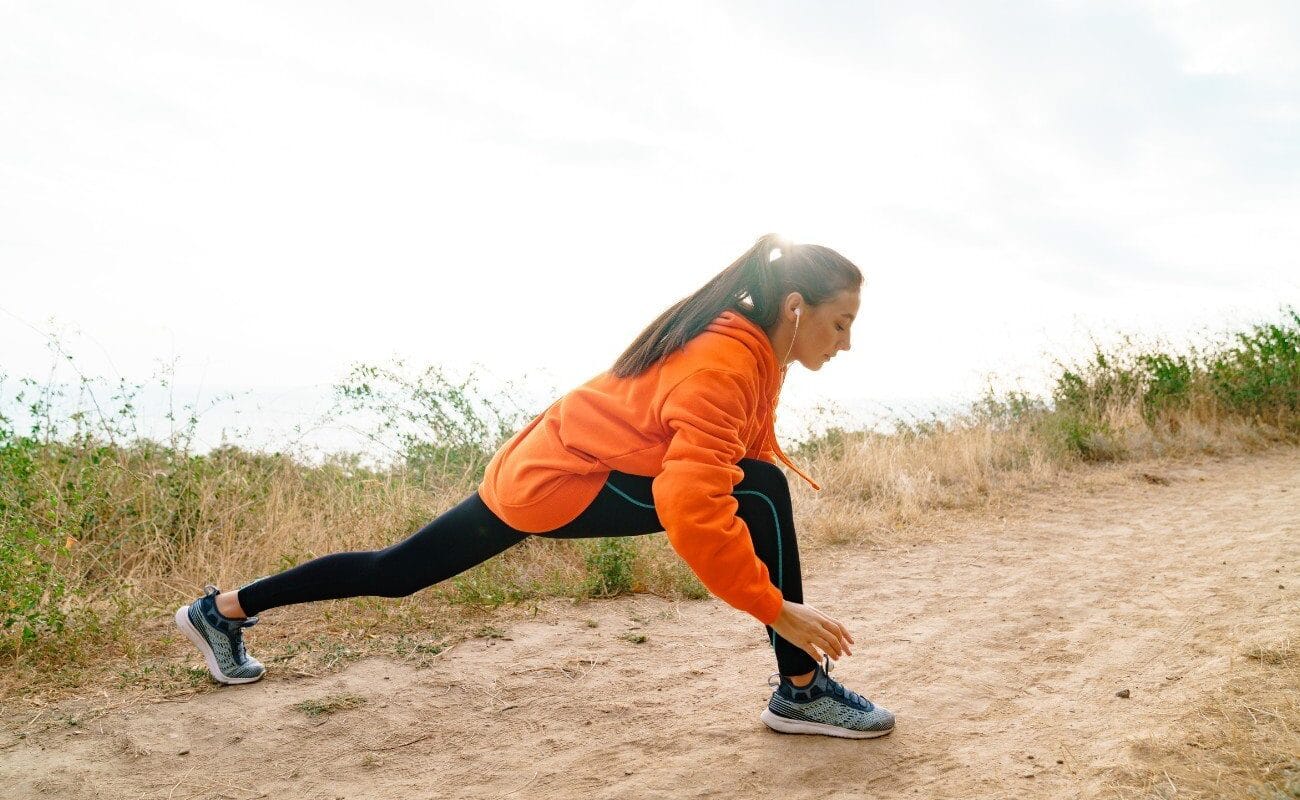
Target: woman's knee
(764, 476)
(389, 573)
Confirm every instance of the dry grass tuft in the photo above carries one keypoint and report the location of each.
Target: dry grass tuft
(1243, 744)
(330, 704)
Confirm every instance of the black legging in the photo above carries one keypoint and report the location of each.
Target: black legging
(469, 534)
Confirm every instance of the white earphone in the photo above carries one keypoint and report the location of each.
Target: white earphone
(787, 355)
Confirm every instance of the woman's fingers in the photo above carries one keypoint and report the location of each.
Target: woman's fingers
(841, 634)
(824, 633)
(834, 634)
(827, 645)
(810, 647)
(830, 645)
(845, 638)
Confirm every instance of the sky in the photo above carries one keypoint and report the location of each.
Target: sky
(263, 194)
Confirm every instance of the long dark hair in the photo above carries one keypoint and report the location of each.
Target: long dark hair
(754, 286)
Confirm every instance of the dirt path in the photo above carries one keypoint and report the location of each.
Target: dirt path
(1003, 637)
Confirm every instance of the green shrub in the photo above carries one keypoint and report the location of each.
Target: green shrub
(609, 567)
(1006, 410)
(1260, 376)
(1255, 374)
(429, 423)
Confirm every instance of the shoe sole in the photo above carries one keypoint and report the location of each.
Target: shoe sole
(182, 618)
(782, 724)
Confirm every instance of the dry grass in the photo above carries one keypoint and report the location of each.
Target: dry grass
(330, 704)
(874, 485)
(1243, 744)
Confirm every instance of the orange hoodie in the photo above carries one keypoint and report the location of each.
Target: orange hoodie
(687, 421)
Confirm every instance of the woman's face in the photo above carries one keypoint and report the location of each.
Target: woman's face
(824, 330)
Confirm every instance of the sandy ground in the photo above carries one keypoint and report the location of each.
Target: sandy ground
(999, 642)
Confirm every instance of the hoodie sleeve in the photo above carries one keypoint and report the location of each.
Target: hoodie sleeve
(705, 415)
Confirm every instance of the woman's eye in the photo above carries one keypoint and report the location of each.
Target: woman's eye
(839, 327)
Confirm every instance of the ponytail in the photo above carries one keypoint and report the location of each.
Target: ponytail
(753, 286)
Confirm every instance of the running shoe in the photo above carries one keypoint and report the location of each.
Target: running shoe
(824, 706)
(219, 638)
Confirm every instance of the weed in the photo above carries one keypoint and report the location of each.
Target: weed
(329, 704)
(609, 567)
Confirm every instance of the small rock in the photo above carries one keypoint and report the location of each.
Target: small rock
(1031, 758)
(1122, 693)
(1060, 761)
(183, 753)
(1280, 586)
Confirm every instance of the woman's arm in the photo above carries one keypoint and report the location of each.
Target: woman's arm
(706, 414)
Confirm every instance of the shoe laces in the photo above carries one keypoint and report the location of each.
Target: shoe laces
(234, 627)
(237, 636)
(847, 693)
(836, 688)
(839, 688)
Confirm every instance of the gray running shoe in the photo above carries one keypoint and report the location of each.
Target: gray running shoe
(824, 706)
(220, 639)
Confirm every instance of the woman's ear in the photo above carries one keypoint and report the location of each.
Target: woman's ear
(794, 303)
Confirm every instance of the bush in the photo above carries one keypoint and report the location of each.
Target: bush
(609, 567)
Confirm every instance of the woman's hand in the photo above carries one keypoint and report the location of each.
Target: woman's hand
(807, 628)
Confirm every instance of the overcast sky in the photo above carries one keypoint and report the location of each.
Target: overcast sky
(268, 192)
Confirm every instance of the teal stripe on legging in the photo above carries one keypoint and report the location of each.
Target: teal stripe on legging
(776, 520)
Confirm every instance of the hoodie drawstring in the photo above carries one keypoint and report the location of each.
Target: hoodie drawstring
(776, 449)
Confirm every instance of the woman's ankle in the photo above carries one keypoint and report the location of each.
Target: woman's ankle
(228, 605)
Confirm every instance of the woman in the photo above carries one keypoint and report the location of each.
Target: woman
(677, 436)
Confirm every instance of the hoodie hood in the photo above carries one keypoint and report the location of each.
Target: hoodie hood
(772, 376)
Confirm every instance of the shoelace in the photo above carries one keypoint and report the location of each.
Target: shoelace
(839, 688)
(847, 693)
(235, 634)
(835, 686)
